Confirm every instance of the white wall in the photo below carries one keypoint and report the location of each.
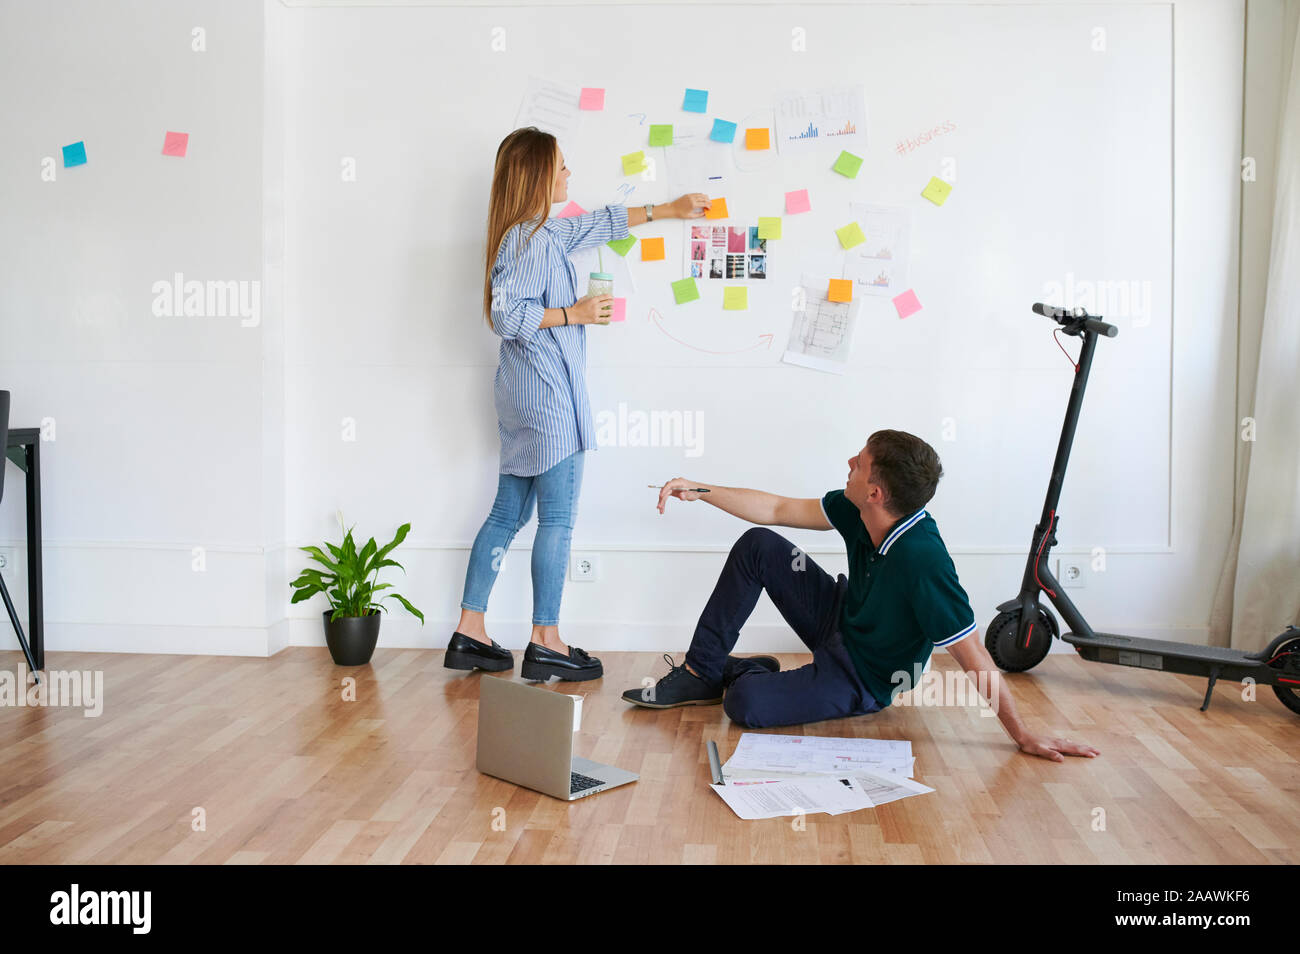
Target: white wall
(205, 411)
(160, 423)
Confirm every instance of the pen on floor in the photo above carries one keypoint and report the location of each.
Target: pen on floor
(694, 490)
(715, 766)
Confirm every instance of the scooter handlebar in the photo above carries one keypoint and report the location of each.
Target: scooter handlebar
(1078, 318)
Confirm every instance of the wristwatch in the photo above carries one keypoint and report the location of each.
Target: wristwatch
(649, 212)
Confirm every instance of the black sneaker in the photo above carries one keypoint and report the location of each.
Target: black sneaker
(737, 666)
(680, 687)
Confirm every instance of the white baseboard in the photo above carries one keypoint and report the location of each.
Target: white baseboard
(159, 639)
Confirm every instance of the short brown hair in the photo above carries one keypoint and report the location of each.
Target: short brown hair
(906, 468)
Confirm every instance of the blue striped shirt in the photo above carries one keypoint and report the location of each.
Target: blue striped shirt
(543, 412)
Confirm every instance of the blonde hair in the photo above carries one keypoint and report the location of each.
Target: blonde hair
(522, 184)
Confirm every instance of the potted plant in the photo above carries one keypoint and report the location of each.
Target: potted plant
(349, 582)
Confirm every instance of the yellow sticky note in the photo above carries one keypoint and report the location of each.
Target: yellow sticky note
(756, 138)
(717, 209)
(633, 162)
(936, 190)
(652, 249)
(841, 290)
(735, 299)
(769, 227)
(850, 235)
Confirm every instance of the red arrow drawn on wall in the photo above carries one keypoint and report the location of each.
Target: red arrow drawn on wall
(764, 340)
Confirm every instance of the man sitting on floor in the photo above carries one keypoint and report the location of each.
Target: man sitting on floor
(900, 600)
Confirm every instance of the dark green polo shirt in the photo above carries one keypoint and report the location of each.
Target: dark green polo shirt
(902, 600)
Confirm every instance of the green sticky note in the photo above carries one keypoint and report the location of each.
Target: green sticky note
(848, 164)
(735, 299)
(684, 290)
(661, 135)
(851, 235)
(936, 190)
(769, 227)
(623, 245)
(633, 162)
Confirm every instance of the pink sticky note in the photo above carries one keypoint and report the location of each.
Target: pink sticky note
(571, 209)
(620, 310)
(907, 304)
(175, 144)
(592, 98)
(797, 202)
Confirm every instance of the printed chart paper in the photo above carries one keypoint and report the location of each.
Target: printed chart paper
(753, 799)
(809, 754)
(829, 118)
(551, 107)
(769, 776)
(878, 265)
(695, 162)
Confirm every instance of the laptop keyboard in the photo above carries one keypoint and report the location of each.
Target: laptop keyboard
(579, 782)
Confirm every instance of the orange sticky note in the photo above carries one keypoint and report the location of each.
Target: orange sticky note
(717, 209)
(756, 138)
(652, 249)
(841, 290)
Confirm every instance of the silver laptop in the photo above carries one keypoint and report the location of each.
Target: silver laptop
(525, 736)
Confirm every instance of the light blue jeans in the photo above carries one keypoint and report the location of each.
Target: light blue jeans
(555, 494)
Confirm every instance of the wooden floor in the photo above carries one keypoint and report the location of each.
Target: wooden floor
(285, 771)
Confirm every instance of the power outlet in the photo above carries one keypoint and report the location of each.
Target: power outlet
(1070, 574)
(584, 566)
(7, 564)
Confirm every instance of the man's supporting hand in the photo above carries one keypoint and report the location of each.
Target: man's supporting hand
(974, 659)
(1055, 749)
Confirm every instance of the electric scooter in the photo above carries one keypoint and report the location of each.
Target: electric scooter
(1021, 634)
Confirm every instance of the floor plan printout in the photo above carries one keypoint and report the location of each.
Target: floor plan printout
(821, 334)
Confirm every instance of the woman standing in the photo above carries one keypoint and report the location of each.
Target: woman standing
(530, 299)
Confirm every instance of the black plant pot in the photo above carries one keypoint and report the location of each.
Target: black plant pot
(351, 639)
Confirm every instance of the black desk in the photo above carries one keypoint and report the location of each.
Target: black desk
(24, 449)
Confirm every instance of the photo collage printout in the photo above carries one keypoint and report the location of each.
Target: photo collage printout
(728, 252)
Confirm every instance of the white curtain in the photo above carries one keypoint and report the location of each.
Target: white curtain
(1259, 591)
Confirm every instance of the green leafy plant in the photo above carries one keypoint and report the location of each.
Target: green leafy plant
(349, 579)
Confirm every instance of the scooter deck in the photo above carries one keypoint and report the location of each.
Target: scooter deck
(1231, 664)
(1158, 647)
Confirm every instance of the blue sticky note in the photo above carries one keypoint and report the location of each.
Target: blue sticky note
(723, 131)
(74, 155)
(696, 101)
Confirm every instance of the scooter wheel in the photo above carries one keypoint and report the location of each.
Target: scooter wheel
(1287, 659)
(1007, 648)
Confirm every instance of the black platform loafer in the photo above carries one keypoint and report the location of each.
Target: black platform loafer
(541, 664)
(680, 687)
(465, 653)
(737, 666)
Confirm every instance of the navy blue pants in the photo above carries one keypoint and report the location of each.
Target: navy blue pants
(809, 599)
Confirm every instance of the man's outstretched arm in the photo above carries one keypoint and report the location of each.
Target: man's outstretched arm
(974, 659)
(756, 506)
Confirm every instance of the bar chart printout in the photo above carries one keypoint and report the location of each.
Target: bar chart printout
(829, 118)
